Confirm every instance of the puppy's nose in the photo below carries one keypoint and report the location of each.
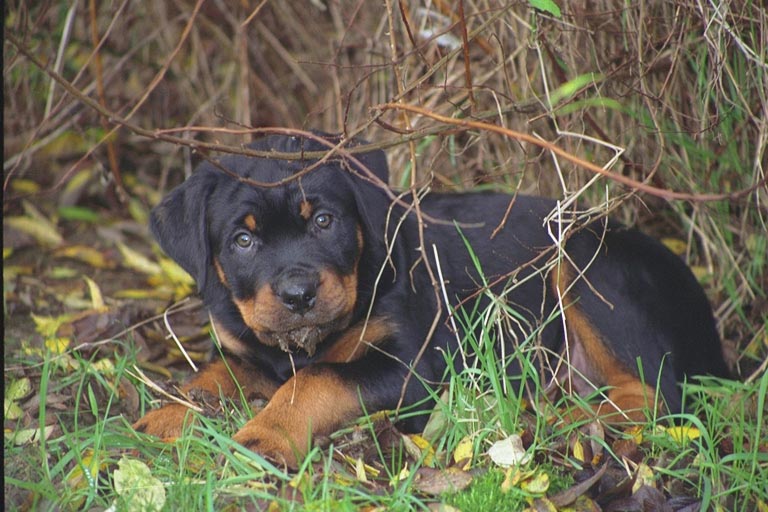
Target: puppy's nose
(297, 290)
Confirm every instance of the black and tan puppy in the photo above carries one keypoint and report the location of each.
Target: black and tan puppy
(303, 267)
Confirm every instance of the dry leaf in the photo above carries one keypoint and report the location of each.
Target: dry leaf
(439, 481)
(463, 453)
(509, 452)
(137, 261)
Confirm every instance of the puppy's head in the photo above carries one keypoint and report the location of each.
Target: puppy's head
(283, 259)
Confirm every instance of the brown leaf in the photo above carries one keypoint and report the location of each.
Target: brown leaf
(568, 496)
(438, 481)
(646, 498)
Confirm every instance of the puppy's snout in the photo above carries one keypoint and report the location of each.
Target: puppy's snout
(297, 290)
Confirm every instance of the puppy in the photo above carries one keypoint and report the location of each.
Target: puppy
(322, 302)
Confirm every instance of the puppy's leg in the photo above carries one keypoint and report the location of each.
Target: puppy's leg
(593, 363)
(315, 402)
(216, 379)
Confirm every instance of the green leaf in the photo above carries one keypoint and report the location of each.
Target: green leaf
(78, 213)
(546, 6)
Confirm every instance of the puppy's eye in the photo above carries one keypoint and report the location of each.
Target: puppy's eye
(323, 220)
(243, 240)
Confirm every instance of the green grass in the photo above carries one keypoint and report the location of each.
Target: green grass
(727, 466)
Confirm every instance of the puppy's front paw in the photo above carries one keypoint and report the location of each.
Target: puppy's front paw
(272, 442)
(167, 423)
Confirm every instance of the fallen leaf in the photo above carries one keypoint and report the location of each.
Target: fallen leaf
(570, 495)
(439, 481)
(87, 255)
(137, 261)
(539, 484)
(48, 326)
(675, 245)
(174, 272)
(97, 301)
(437, 507)
(509, 451)
(42, 231)
(578, 451)
(643, 477)
(463, 453)
(57, 345)
(360, 470)
(683, 434)
(513, 476)
(25, 186)
(19, 389)
(79, 214)
(28, 435)
(136, 485)
(419, 448)
(541, 505)
(16, 391)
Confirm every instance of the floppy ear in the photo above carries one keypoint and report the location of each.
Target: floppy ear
(372, 199)
(179, 225)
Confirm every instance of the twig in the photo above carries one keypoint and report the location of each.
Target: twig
(524, 137)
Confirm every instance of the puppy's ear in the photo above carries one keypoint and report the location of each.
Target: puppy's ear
(372, 198)
(180, 226)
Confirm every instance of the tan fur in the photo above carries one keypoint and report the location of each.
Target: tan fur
(627, 397)
(313, 403)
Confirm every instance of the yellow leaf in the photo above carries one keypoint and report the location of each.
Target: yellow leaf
(138, 211)
(463, 452)
(57, 345)
(49, 325)
(359, 465)
(89, 464)
(97, 301)
(137, 261)
(636, 433)
(683, 434)
(403, 475)
(12, 410)
(675, 245)
(157, 293)
(25, 186)
(578, 451)
(360, 470)
(103, 365)
(541, 504)
(643, 477)
(701, 273)
(19, 389)
(539, 484)
(175, 273)
(88, 255)
(44, 232)
(425, 449)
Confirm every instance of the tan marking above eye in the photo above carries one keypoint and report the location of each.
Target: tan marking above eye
(305, 210)
(250, 222)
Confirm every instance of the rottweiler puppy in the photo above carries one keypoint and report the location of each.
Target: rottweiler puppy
(321, 300)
